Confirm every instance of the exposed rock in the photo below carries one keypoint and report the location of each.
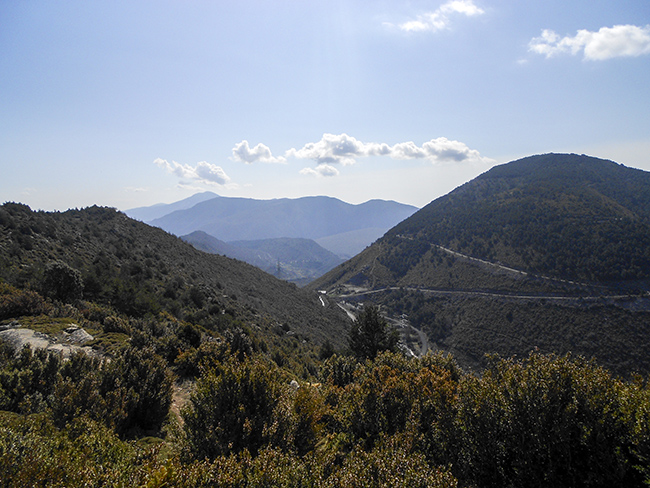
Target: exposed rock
(19, 337)
(11, 325)
(78, 336)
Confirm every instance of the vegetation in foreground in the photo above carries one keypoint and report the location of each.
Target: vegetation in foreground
(391, 421)
(269, 406)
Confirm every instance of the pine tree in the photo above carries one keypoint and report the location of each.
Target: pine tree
(371, 334)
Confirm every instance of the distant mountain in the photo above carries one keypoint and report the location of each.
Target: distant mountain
(530, 253)
(291, 259)
(233, 219)
(146, 214)
(351, 243)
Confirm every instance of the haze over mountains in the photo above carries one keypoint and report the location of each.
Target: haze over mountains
(290, 258)
(321, 226)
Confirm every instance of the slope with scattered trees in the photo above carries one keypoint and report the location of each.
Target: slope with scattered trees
(551, 251)
(265, 412)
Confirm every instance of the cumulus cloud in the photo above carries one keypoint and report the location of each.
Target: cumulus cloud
(338, 148)
(344, 149)
(260, 153)
(606, 43)
(322, 170)
(203, 172)
(440, 18)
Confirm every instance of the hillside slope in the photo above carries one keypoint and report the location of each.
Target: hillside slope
(141, 270)
(551, 251)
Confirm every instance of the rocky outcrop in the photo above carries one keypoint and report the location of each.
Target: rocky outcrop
(70, 341)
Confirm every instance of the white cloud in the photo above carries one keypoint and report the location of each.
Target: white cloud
(260, 153)
(341, 148)
(440, 18)
(322, 170)
(606, 43)
(344, 149)
(203, 171)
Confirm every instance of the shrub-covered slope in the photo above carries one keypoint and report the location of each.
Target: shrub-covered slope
(567, 216)
(141, 270)
(550, 251)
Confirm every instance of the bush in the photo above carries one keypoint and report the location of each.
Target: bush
(137, 387)
(232, 409)
(61, 282)
(15, 302)
(545, 421)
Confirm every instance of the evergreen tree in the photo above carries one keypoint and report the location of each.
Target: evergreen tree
(370, 334)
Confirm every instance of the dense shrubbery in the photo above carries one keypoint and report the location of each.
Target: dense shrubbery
(131, 392)
(232, 409)
(15, 302)
(392, 421)
(544, 421)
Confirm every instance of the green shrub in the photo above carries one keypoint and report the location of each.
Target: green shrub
(16, 302)
(232, 409)
(62, 282)
(544, 421)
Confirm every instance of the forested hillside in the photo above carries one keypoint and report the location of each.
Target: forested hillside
(561, 215)
(142, 271)
(549, 252)
(155, 364)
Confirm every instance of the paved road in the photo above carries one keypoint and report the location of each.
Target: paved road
(493, 294)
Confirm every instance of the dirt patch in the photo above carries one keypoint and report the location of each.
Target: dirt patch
(182, 390)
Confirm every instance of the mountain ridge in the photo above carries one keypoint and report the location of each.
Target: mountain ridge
(143, 271)
(486, 267)
(148, 213)
(233, 218)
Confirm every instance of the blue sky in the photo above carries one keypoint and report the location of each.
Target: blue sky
(131, 103)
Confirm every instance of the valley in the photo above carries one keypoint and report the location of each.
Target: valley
(484, 309)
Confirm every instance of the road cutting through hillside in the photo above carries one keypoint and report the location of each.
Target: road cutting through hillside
(491, 294)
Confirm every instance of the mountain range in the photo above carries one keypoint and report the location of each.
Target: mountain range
(318, 218)
(297, 239)
(534, 259)
(549, 252)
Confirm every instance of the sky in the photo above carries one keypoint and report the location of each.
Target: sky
(133, 103)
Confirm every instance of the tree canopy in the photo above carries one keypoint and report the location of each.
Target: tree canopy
(370, 334)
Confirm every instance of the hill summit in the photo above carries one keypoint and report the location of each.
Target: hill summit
(545, 240)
